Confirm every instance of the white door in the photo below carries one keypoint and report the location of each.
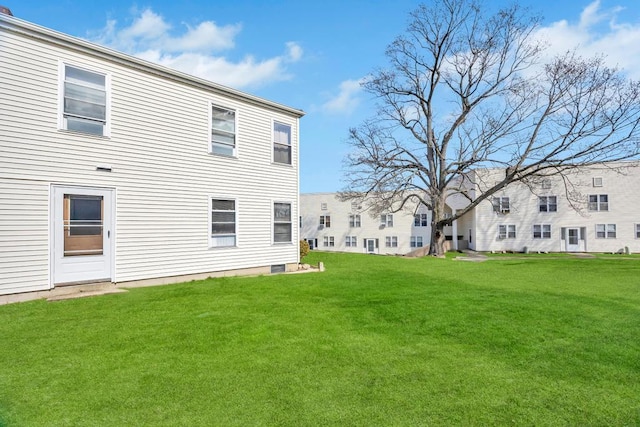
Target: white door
(81, 236)
(573, 239)
(371, 246)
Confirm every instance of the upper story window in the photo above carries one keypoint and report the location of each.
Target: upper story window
(354, 220)
(546, 184)
(501, 205)
(282, 231)
(598, 202)
(323, 206)
(281, 143)
(597, 181)
(223, 131)
(325, 220)
(84, 101)
(386, 220)
(223, 222)
(548, 203)
(420, 220)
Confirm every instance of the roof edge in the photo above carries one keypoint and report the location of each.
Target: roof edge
(17, 25)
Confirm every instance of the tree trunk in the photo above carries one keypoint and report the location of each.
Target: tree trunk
(436, 247)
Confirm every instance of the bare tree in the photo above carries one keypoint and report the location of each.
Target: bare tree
(465, 91)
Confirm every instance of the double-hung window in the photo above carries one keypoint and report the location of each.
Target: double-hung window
(605, 231)
(351, 241)
(281, 143)
(391, 241)
(420, 220)
(354, 220)
(223, 131)
(598, 202)
(416, 241)
(542, 231)
(329, 241)
(223, 222)
(282, 231)
(325, 220)
(637, 231)
(548, 203)
(386, 220)
(84, 101)
(507, 231)
(501, 205)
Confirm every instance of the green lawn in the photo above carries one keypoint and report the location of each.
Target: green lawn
(372, 341)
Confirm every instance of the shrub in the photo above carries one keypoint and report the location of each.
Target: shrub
(304, 249)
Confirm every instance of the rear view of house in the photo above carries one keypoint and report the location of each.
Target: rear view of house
(115, 169)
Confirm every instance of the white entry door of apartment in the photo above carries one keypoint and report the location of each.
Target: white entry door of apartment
(81, 235)
(370, 245)
(573, 239)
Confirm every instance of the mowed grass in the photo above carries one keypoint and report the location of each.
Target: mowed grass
(372, 341)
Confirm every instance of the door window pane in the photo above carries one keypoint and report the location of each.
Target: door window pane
(83, 225)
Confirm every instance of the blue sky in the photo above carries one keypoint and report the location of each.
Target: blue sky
(308, 54)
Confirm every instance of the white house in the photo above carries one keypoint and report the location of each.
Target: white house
(114, 169)
(597, 211)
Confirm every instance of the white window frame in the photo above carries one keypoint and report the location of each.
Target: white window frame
(637, 230)
(386, 220)
(234, 153)
(213, 240)
(323, 206)
(274, 143)
(329, 241)
(416, 242)
(545, 205)
(541, 231)
(598, 205)
(325, 221)
(351, 242)
(62, 122)
(501, 204)
(273, 221)
(606, 231)
(546, 184)
(420, 220)
(391, 241)
(597, 181)
(355, 221)
(507, 231)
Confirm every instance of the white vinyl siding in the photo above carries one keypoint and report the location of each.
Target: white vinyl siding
(84, 100)
(223, 131)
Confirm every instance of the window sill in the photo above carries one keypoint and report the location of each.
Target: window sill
(224, 156)
(287, 165)
(218, 248)
(85, 134)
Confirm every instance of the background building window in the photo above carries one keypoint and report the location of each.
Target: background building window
(598, 202)
(548, 203)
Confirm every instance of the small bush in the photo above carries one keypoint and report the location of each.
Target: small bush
(304, 249)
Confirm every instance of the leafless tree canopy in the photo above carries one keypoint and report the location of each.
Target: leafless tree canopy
(466, 89)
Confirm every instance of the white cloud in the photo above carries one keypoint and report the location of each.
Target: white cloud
(346, 100)
(598, 32)
(197, 50)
